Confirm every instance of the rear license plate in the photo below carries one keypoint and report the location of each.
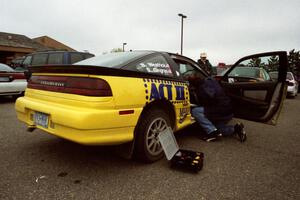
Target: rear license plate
(4, 79)
(41, 119)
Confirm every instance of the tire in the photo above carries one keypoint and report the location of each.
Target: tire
(148, 148)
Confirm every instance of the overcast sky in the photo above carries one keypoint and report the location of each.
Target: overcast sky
(225, 29)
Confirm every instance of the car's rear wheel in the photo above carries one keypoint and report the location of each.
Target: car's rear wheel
(148, 147)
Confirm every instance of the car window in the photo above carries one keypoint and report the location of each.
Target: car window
(113, 59)
(27, 60)
(188, 71)
(273, 75)
(266, 75)
(153, 65)
(223, 71)
(20, 69)
(76, 57)
(185, 69)
(255, 69)
(55, 58)
(5, 68)
(39, 59)
(245, 72)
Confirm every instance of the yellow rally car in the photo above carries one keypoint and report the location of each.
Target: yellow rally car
(130, 97)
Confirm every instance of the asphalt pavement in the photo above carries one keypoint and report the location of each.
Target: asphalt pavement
(36, 165)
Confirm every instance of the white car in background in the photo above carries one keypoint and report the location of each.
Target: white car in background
(293, 85)
(12, 82)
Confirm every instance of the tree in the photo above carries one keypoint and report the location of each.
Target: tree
(273, 63)
(294, 62)
(114, 50)
(255, 62)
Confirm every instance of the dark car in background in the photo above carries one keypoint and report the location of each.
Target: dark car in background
(54, 58)
(256, 73)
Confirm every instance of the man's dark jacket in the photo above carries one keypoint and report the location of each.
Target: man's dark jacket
(205, 66)
(217, 105)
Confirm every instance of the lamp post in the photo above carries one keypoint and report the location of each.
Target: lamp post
(182, 16)
(124, 43)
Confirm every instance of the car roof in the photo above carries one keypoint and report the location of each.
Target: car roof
(6, 67)
(58, 51)
(248, 67)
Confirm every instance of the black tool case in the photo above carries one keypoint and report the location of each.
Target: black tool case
(180, 158)
(187, 159)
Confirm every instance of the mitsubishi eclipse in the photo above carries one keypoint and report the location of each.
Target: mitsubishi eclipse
(130, 97)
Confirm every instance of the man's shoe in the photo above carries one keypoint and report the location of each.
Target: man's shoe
(240, 131)
(212, 136)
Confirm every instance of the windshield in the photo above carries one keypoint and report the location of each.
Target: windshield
(112, 59)
(223, 72)
(5, 68)
(273, 75)
(245, 72)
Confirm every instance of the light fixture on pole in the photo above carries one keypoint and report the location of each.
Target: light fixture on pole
(124, 43)
(182, 16)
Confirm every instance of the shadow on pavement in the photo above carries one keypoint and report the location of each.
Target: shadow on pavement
(56, 151)
(7, 99)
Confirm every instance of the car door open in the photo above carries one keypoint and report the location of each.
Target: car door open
(255, 94)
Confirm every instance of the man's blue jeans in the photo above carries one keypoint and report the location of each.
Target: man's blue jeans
(208, 126)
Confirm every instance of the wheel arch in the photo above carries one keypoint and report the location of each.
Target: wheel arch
(162, 104)
(166, 109)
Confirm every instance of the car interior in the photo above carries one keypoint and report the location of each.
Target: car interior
(251, 98)
(191, 73)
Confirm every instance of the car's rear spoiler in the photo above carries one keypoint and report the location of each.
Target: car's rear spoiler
(95, 70)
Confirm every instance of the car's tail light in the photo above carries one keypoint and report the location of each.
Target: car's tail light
(18, 75)
(72, 85)
(8, 77)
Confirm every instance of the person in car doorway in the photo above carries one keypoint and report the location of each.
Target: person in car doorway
(204, 63)
(215, 111)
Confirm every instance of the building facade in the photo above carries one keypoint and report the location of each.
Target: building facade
(15, 45)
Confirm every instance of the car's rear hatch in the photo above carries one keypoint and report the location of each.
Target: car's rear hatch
(70, 85)
(68, 100)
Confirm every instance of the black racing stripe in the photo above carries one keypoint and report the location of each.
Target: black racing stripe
(105, 71)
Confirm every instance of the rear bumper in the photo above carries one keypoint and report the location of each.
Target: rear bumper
(82, 125)
(291, 90)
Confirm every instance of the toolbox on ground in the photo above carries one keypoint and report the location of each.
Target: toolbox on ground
(180, 158)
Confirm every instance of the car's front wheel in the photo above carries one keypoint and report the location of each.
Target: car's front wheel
(148, 147)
